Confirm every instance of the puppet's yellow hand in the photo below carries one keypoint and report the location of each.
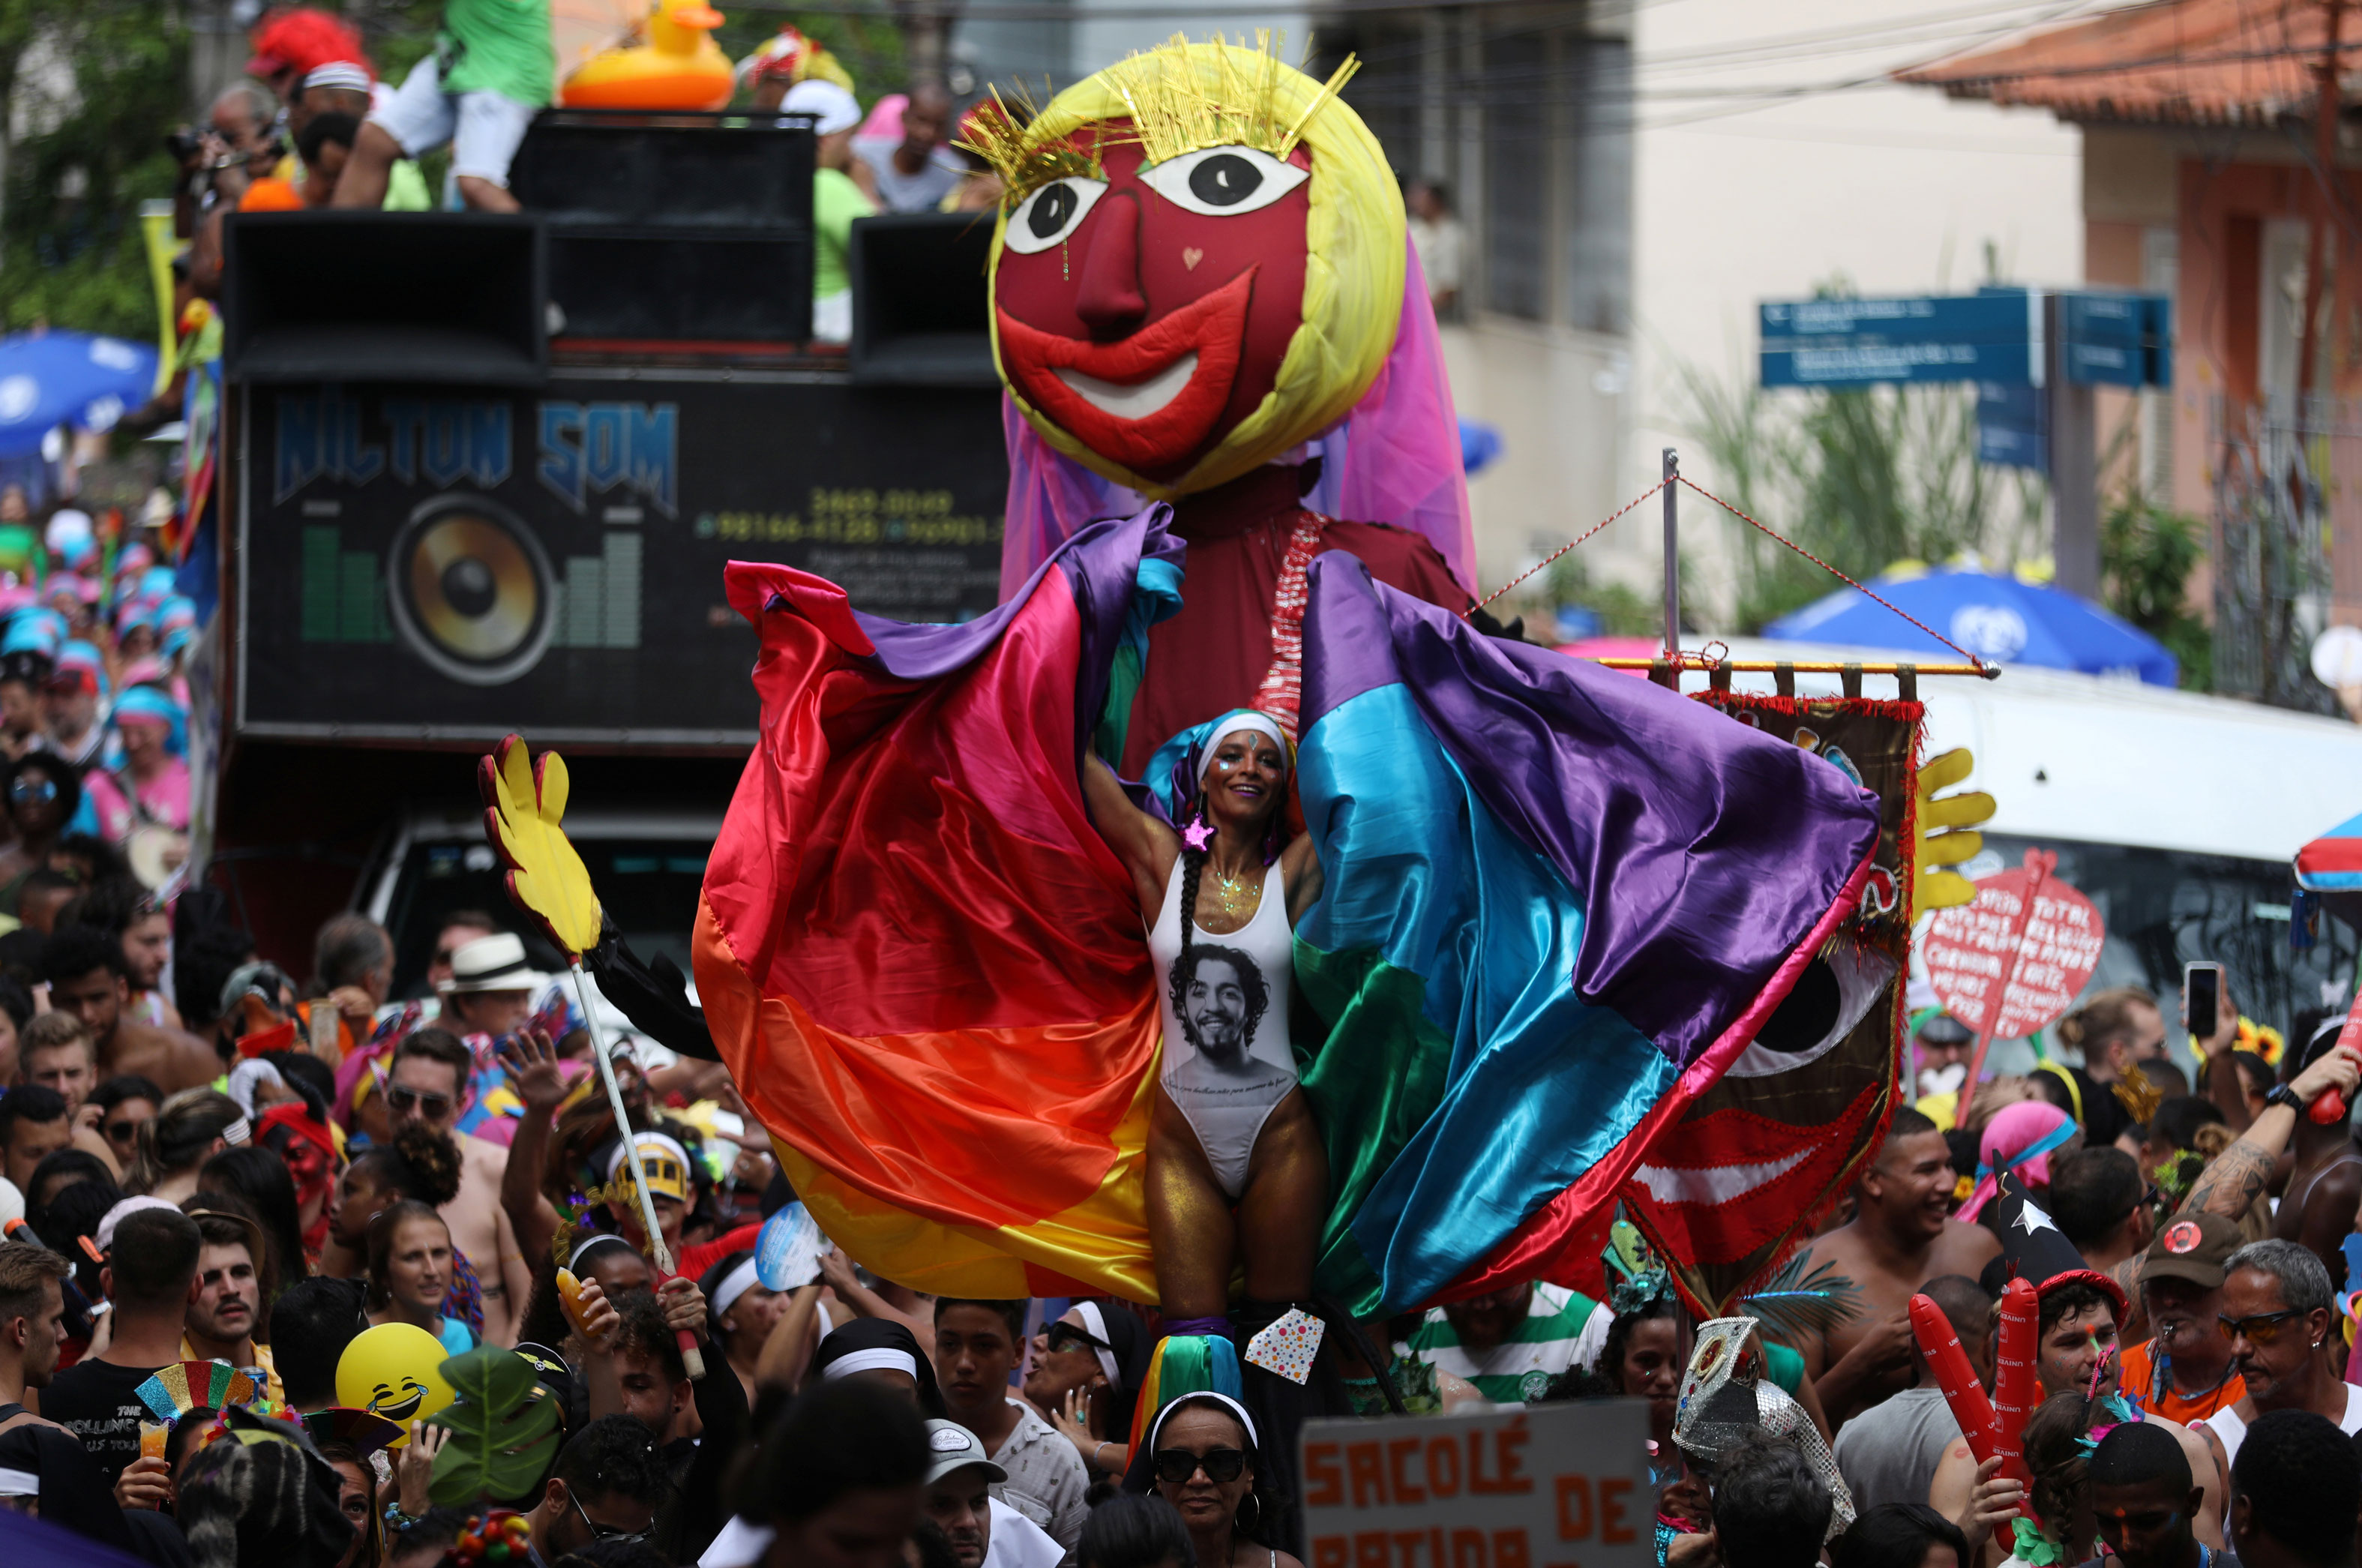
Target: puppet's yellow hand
(1945, 833)
(524, 801)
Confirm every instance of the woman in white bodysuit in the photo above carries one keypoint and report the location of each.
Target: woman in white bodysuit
(1236, 1170)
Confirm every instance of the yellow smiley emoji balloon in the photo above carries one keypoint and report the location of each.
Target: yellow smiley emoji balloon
(393, 1370)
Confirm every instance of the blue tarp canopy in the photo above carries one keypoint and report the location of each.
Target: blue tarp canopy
(54, 378)
(2002, 619)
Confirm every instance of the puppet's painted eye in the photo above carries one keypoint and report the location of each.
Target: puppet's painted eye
(1050, 214)
(1220, 182)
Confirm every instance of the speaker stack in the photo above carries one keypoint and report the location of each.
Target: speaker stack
(674, 230)
(473, 590)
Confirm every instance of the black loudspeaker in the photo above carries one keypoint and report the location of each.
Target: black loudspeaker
(668, 283)
(459, 298)
(615, 167)
(921, 299)
(473, 592)
(674, 228)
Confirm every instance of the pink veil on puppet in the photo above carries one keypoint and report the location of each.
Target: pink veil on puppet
(1395, 459)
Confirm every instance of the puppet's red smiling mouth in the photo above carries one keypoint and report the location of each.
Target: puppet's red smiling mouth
(1147, 401)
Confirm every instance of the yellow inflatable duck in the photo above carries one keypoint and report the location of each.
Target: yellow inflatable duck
(672, 63)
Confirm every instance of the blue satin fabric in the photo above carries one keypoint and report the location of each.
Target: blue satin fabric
(1539, 1085)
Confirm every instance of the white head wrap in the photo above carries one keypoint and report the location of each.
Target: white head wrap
(338, 74)
(592, 1244)
(19, 1483)
(734, 1284)
(1095, 1325)
(1228, 1403)
(883, 1357)
(1231, 724)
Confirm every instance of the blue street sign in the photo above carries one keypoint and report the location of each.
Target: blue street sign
(1871, 342)
(2012, 422)
(2121, 341)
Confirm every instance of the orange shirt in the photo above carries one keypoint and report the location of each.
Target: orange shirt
(2139, 1378)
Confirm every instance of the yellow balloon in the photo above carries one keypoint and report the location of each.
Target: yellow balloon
(395, 1371)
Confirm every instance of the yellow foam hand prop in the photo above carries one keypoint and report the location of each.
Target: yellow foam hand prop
(1945, 835)
(524, 801)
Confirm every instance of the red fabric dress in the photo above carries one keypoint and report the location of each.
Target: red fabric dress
(1236, 640)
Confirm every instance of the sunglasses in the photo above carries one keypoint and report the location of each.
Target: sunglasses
(121, 1131)
(2259, 1329)
(435, 1107)
(1221, 1465)
(1069, 1336)
(604, 1532)
(24, 789)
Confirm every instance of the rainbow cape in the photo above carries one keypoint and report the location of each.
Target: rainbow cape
(1558, 902)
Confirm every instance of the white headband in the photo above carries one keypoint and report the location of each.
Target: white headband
(19, 1483)
(1228, 1403)
(239, 1131)
(592, 1245)
(1231, 725)
(884, 1357)
(1097, 1325)
(734, 1284)
(338, 74)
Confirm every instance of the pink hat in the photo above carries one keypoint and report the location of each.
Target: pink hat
(2019, 1139)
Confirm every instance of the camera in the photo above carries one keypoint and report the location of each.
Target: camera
(184, 142)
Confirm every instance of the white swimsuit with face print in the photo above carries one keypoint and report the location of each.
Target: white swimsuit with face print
(1227, 1059)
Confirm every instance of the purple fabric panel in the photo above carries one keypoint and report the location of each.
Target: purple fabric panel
(1395, 457)
(1051, 497)
(1703, 850)
(1100, 562)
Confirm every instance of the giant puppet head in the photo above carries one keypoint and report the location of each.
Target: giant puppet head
(1200, 264)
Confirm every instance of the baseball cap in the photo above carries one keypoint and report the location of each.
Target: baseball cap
(2192, 1247)
(951, 1446)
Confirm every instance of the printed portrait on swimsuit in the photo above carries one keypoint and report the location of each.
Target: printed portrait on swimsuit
(1219, 996)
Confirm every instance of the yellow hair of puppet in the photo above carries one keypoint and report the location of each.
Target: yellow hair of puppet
(1178, 96)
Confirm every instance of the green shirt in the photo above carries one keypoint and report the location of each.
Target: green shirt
(1521, 1366)
(498, 46)
(406, 189)
(836, 202)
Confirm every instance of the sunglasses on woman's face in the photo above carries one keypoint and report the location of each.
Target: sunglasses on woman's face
(121, 1131)
(1067, 1337)
(1221, 1465)
(24, 789)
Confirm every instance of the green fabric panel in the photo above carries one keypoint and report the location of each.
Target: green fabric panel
(1380, 1070)
(1786, 1367)
(1186, 1368)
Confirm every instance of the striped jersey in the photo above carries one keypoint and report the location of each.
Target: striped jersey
(1552, 1339)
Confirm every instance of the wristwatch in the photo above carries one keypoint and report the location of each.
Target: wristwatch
(2283, 1095)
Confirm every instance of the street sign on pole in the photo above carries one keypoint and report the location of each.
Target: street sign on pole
(2010, 424)
(1875, 342)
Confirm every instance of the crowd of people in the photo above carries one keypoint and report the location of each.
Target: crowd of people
(322, 1160)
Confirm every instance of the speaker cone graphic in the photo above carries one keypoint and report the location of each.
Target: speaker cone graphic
(472, 590)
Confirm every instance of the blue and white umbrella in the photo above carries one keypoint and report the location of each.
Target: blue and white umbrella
(2000, 619)
(55, 377)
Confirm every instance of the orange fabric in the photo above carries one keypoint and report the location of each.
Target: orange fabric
(271, 194)
(2138, 1375)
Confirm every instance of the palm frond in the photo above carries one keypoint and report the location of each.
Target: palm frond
(1794, 1301)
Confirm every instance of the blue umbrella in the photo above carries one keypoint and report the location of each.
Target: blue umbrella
(49, 378)
(1997, 618)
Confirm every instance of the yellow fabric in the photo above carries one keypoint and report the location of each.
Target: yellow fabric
(1100, 1243)
(1353, 279)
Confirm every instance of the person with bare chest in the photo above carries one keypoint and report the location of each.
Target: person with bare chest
(2317, 1209)
(1902, 1235)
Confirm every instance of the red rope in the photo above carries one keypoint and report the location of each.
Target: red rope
(1830, 569)
(1562, 549)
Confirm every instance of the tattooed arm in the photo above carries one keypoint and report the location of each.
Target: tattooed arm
(2238, 1176)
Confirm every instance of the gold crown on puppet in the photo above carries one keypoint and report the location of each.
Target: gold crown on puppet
(1173, 108)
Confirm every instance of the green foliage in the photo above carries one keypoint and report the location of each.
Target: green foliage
(1623, 610)
(2147, 554)
(71, 251)
(503, 1427)
(1860, 477)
